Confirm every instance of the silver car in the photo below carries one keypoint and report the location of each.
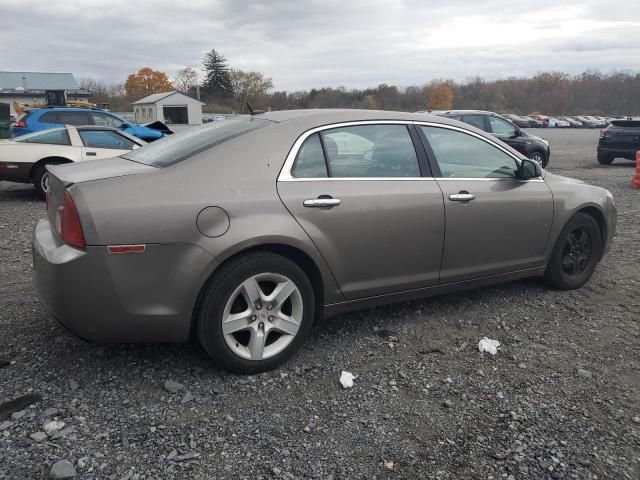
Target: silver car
(243, 232)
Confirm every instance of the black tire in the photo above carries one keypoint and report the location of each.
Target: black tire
(219, 290)
(539, 156)
(605, 158)
(38, 175)
(567, 270)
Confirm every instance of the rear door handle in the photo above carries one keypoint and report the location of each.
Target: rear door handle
(462, 197)
(321, 202)
(91, 154)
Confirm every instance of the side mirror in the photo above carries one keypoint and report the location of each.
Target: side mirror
(124, 126)
(529, 169)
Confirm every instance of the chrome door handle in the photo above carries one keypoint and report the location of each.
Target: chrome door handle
(321, 202)
(461, 197)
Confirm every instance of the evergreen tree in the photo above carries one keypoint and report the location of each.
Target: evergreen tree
(217, 80)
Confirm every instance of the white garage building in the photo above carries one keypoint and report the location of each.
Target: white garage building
(172, 108)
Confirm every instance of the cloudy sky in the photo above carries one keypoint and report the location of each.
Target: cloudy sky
(305, 43)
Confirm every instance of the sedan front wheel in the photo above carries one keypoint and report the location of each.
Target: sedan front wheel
(256, 312)
(575, 254)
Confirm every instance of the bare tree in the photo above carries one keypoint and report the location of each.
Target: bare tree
(185, 80)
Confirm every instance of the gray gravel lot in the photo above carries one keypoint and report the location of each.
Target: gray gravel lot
(561, 399)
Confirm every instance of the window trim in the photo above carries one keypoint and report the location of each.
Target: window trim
(285, 171)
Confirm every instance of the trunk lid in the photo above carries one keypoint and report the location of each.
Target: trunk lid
(61, 177)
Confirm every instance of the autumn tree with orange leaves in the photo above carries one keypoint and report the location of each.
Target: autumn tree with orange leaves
(438, 96)
(146, 82)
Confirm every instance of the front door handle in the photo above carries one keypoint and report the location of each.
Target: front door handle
(462, 197)
(321, 202)
(91, 154)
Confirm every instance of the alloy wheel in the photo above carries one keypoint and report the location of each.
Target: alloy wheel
(262, 316)
(576, 252)
(44, 182)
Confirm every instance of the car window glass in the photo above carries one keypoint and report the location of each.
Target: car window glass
(462, 155)
(502, 127)
(104, 120)
(187, 143)
(371, 151)
(105, 139)
(73, 118)
(56, 136)
(310, 161)
(475, 120)
(49, 117)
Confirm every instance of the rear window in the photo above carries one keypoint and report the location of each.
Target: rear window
(180, 146)
(626, 123)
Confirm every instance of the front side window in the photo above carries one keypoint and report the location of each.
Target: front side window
(465, 156)
(105, 139)
(104, 120)
(502, 127)
(74, 118)
(57, 136)
(310, 162)
(370, 151)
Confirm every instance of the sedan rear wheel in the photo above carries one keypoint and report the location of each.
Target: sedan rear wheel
(256, 313)
(576, 253)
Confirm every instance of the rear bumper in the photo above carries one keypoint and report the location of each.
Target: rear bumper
(15, 172)
(146, 297)
(619, 152)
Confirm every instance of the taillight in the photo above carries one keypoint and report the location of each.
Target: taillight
(68, 225)
(19, 124)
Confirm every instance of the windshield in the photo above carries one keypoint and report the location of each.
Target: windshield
(180, 146)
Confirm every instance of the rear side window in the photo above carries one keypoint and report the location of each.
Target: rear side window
(371, 151)
(105, 139)
(475, 120)
(74, 118)
(49, 117)
(180, 146)
(57, 136)
(310, 162)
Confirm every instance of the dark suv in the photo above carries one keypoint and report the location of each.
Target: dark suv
(535, 148)
(621, 139)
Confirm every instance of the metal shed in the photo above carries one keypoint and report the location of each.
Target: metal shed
(171, 108)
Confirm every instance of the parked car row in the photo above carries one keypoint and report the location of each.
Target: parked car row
(545, 121)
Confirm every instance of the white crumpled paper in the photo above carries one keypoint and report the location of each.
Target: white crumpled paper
(346, 379)
(488, 345)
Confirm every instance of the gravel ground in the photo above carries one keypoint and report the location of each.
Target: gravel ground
(561, 399)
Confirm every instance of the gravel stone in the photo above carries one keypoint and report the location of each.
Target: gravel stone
(39, 436)
(62, 469)
(173, 387)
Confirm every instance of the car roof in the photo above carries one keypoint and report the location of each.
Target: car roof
(462, 112)
(336, 115)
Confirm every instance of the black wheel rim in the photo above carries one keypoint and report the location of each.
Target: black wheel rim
(576, 252)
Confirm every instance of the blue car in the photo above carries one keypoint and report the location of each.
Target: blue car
(37, 119)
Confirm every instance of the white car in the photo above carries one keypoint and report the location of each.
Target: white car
(558, 122)
(24, 159)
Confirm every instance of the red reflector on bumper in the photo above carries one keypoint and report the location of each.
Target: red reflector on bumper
(126, 248)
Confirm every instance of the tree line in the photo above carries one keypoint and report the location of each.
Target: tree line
(226, 89)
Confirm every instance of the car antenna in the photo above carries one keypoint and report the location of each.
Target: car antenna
(252, 111)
